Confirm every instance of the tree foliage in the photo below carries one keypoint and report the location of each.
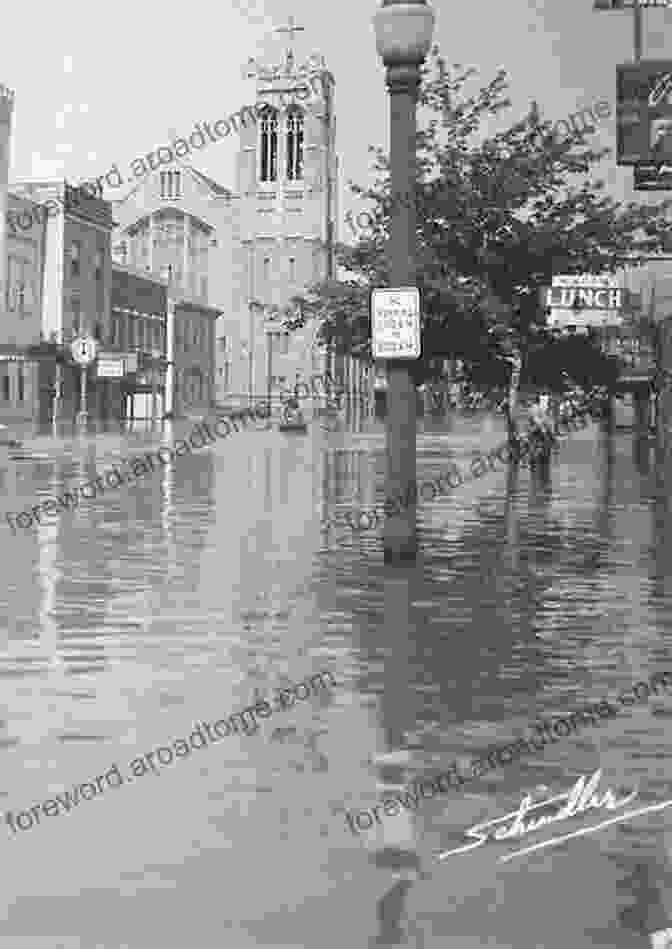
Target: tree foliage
(498, 214)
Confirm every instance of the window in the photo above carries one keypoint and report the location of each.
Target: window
(75, 258)
(20, 389)
(18, 294)
(294, 145)
(269, 145)
(222, 344)
(170, 185)
(267, 268)
(100, 264)
(292, 269)
(5, 386)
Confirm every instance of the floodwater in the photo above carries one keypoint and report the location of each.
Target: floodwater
(211, 584)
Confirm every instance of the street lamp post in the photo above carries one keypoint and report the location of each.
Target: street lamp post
(82, 415)
(403, 37)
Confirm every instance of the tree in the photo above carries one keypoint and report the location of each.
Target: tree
(497, 217)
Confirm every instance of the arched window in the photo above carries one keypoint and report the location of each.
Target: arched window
(294, 145)
(269, 145)
(170, 185)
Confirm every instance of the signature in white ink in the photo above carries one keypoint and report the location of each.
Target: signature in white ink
(662, 87)
(579, 799)
(661, 939)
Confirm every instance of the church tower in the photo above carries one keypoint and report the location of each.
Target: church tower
(287, 174)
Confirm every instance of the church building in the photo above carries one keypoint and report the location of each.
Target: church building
(246, 251)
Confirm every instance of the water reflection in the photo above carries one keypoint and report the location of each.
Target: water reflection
(211, 581)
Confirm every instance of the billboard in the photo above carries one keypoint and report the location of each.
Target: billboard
(644, 112)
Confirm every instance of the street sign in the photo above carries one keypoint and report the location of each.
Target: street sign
(395, 323)
(651, 177)
(84, 350)
(644, 112)
(110, 366)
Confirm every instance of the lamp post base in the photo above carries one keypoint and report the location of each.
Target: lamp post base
(400, 539)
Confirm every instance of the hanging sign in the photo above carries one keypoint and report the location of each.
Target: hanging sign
(644, 112)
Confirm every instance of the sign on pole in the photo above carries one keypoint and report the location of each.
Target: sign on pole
(84, 350)
(395, 323)
(644, 112)
(110, 366)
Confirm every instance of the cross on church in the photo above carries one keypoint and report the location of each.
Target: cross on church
(291, 29)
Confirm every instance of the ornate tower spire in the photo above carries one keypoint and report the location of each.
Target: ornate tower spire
(291, 29)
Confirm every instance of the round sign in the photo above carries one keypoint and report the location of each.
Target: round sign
(84, 350)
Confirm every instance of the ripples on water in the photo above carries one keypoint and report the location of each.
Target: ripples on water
(214, 579)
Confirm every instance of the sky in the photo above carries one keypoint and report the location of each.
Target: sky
(103, 86)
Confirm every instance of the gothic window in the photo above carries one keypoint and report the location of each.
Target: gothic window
(170, 184)
(75, 256)
(294, 145)
(269, 145)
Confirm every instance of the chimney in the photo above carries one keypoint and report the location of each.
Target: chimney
(6, 110)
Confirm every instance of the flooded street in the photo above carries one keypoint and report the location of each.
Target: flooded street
(214, 583)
